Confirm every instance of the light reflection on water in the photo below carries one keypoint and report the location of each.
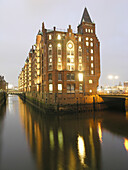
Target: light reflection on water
(75, 142)
(126, 144)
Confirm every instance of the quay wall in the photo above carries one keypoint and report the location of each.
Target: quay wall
(3, 96)
(93, 103)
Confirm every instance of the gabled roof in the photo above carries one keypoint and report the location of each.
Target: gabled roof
(86, 18)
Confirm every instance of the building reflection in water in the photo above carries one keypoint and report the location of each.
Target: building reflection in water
(81, 150)
(100, 132)
(61, 143)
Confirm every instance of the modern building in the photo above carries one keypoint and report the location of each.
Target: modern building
(63, 66)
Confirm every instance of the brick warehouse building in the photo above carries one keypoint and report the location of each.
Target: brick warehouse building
(63, 67)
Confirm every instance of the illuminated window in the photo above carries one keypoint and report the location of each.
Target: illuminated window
(79, 39)
(79, 47)
(87, 38)
(50, 37)
(87, 43)
(59, 56)
(91, 39)
(91, 31)
(59, 45)
(70, 56)
(59, 67)
(59, 60)
(91, 58)
(92, 72)
(59, 87)
(90, 81)
(80, 87)
(91, 51)
(86, 30)
(80, 76)
(50, 88)
(50, 64)
(72, 60)
(59, 37)
(92, 65)
(90, 91)
(80, 59)
(91, 44)
(50, 60)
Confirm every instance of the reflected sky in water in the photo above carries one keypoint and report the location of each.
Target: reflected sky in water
(29, 140)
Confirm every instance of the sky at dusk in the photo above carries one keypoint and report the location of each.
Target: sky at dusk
(20, 21)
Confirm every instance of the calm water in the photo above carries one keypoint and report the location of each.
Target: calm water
(30, 141)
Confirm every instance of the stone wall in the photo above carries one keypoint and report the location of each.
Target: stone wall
(2, 98)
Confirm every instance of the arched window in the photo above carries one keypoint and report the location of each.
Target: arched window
(50, 61)
(59, 57)
(70, 56)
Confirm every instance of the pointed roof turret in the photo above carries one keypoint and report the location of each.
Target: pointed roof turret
(86, 17)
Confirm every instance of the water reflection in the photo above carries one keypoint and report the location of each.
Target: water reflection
(61, 142)
(100, 132)
(2, 115)
(74, 142)
(81, 150)
(126, 144)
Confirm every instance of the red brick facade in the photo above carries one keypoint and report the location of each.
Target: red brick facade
(63, 67)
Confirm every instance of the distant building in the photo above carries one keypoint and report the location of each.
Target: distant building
(126, 84)
(3, 83)
(63, 66)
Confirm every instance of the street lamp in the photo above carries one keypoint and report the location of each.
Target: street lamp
(111, 77)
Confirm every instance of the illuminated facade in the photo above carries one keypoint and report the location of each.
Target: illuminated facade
(63, 66)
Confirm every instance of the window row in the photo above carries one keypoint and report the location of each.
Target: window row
(87, 38)
(70, 88)
(70, 77)
(89, 30)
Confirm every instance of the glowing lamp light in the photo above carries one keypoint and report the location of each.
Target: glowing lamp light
(110, 77)
(116, 77)
(80, 76)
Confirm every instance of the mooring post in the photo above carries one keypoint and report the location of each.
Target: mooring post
(77, 105)
(94, 107)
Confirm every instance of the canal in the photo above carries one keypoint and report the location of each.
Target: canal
(90, 141)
